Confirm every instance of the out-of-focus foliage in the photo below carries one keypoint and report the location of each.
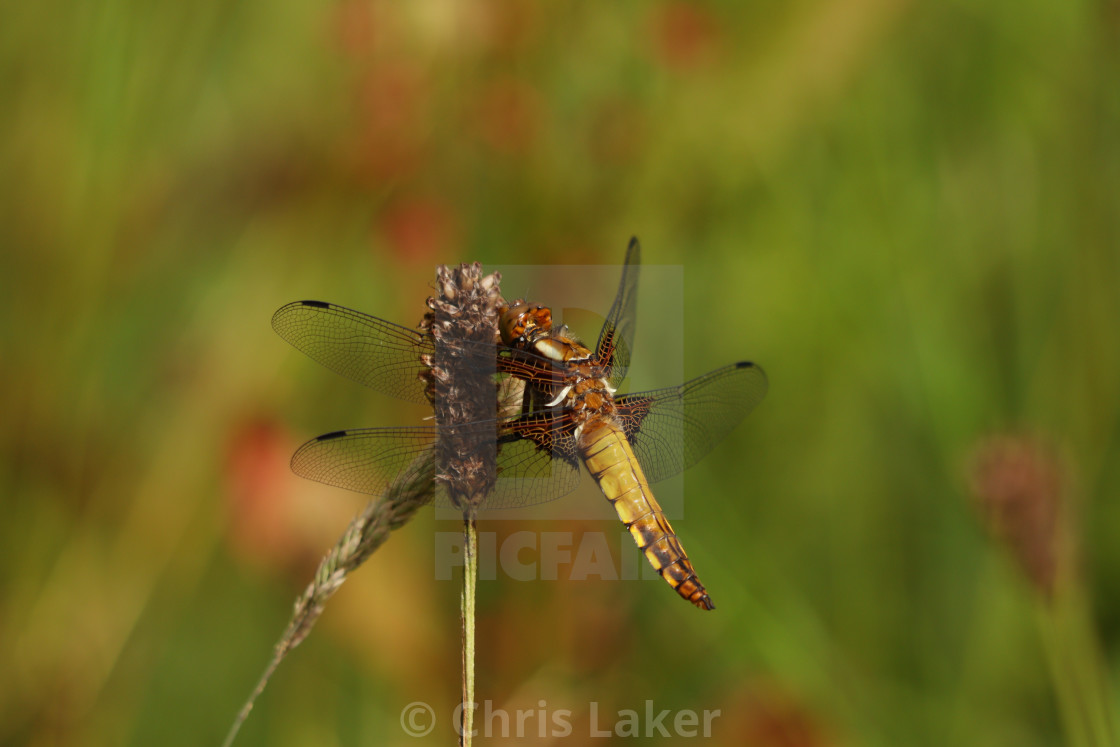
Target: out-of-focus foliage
(907, 212)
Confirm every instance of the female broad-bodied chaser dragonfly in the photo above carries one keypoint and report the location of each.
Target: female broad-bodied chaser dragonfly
(568, 411)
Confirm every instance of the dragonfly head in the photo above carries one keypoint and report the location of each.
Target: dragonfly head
(524, 322)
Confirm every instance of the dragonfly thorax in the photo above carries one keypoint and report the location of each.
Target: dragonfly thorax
(581, 383)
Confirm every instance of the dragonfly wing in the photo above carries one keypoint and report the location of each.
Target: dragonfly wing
(370, 460)
(371, 351)
(616, 339)
(388, 357)
(536, 459)
(672, 429)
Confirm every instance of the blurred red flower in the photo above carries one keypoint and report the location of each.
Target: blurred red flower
(392, 136)
(259, 486)
(765, 715)
(508, 115)
(420, 229)
(684, 35)
(354, 27)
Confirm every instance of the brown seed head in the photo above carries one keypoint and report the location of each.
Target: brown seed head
(461, 384)
(1018, 487)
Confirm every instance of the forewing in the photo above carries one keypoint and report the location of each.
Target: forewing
(386, 356)
(616, 339)
(672, 429)
(371, 351)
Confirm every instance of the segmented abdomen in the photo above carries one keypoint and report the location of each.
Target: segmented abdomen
(612, 463)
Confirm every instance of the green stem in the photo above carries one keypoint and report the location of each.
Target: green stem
(1080, 683)
(1065, 685)
(467, 607)
(277, 657)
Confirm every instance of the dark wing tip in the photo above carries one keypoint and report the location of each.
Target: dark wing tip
(278, 317)
(297, 458)
(633, 251)
(756, 367)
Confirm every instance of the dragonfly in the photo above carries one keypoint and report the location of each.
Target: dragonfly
(563, 410)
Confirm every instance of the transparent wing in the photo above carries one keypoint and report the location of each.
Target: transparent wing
(535, 459)
(371, 351)
(616, 339)
(672, 429)
(369, 460)
(388, 357)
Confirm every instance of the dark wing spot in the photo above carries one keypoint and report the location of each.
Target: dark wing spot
(329, 436)
(316, 304)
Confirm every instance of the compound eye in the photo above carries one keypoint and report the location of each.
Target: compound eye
(511, 325)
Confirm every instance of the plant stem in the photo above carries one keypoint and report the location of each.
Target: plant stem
(1075, 663)
(367, 532)
(467, 607)
(277, 657)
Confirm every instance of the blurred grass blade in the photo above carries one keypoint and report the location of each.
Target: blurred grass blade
(365, 534)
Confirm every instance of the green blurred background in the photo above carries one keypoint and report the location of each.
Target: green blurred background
(907, 212)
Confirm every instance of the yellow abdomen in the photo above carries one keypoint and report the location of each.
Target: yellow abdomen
(612, 463)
